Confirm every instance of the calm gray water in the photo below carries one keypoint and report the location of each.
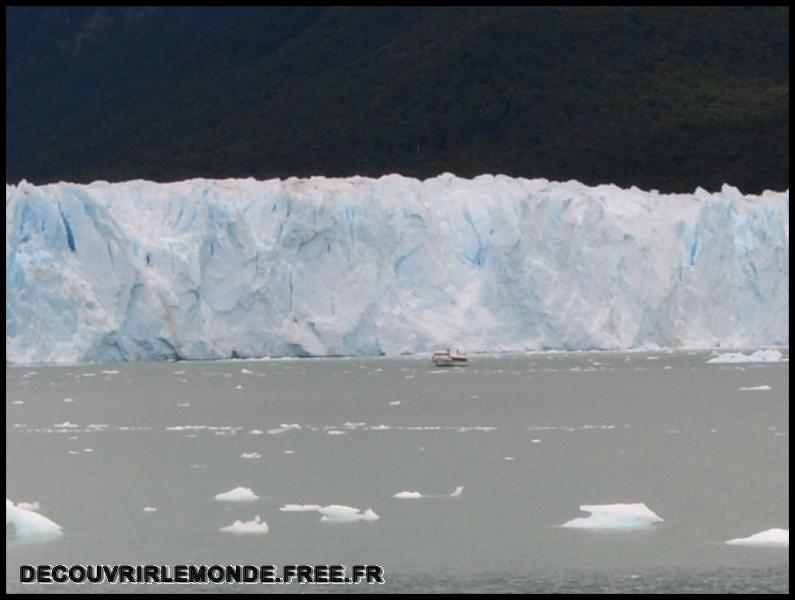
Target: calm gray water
(665, 429)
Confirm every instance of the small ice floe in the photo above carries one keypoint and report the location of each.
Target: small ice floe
(773, 538)
(614, 516)
(110, 372)
(344, 514)
(408, 495)
(183, 404)
(256, 432)
(509, 458)
(68, 400)
(289, 451)
(239, 494)
(238, 387)
(760, 356)
(395, 403)
(150, 509)
(284, 427)
(28, 524)
(88, 450)
(300, 508)
(756, 388)
(415, 495)
(29, 505)
(65, 425)
(17, 402)
(251, 455)
(535, 441)
(335, 432)
(246, 372)
(73, 452)
(333, 512)
(255, 526)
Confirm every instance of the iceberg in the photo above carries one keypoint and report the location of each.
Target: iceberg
(333, 512)
(342, 514)
(239, 494)
(770, 537)
(256, 526)
(614, 516)
(239, 268)
(28, 524)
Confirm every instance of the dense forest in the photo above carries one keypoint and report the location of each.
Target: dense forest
(666, 98)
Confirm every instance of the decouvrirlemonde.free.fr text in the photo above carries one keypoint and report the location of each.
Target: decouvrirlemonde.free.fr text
(160, 574)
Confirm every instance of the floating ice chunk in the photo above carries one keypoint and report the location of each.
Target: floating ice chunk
(395, 403)
(239, 494)
(251, 455)
(535, 441)
(29, 505)
(17, 402)
(458, 491)
(183, 404)
(64, 425)
(68, 400)
(150, 509)
(111, 372)
(509, 458)
(407, 495)
(289, 451)
(300, 508)
(614, 516)
(758, 388)
(335, 432)
(283, 428)
(88, 450)
(776, 538)
(29, 524)
(239, 387)
(760, 356)
(341, 514)
(256, 432)
(256, 526)
(246, 372)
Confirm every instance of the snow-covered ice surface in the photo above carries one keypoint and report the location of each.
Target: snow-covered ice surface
(776, 538)
(257, 526)
(27, 524)
(614, 516)
(760, 356)
(208, 269)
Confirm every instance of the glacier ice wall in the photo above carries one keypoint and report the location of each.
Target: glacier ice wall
(206, 269)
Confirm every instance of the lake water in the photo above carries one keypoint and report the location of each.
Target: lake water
(665, 429)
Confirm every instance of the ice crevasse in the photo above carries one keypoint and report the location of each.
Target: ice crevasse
(205, 269)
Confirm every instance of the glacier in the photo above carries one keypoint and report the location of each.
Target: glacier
(239, 268)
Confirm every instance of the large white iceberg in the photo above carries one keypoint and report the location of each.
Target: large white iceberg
(614, 516)
(28, 524)
(205, 269)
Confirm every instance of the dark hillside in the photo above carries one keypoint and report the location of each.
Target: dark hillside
(666, 98)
